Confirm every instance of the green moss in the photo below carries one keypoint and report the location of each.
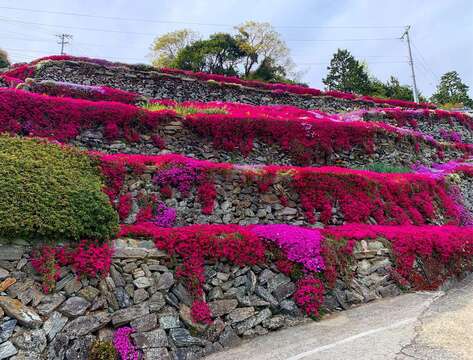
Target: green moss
(185, 110)
(385, 168)
(102, 350)
(49, 192)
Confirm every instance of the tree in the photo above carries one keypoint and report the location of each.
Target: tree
(4, 61)
(392, 89)
(259, 42)
(269, 71)
(219, 54)
(451, 90)
(166, 47)
(347, 74)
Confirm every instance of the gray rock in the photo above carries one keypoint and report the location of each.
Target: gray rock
(140, 295)
(284, 291)
(30, 340)
(89, 293)
(11, 252)
(186, 317)
(7, 349)
(79, 349)
(142, 282)
(182, 294)
(229, 338)
(145, 323)
(390, 290)
(86, 324)
(266, 295)
(289, 307)
(169, 321)
(124, 316)
(57, 347)
(49, 303)
(74, 306)
(253, 321)
(214, 330)
(215, 293)
(3, 274)
(156, 354)
(72, 286)
(277, 281)
(156, 302)
(222, 307)
(252, 300)
(240, 314)
(166, 281)
(54, 325)
(275, 322)
(25, 315)
(151, 339)
(64, 281)
(122, 297)
(6, 329)
(117, 277)
(182, 338)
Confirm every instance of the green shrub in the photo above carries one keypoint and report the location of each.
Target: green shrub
(102, 350)
(50, 192)
(385, 168)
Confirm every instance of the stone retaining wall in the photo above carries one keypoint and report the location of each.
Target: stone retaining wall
(388, 149)
(142, 291)
(161, 86)
(432, 125)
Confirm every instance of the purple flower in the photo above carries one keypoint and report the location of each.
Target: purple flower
(300, 244)
(123, 345)
(165, 216)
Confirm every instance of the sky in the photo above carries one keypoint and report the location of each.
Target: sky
(119, 30)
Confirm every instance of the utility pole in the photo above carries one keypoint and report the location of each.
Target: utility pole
(63, 40)
(411, 63)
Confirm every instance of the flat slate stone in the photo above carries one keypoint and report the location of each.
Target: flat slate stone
(6, 329)
(145, 323)
(7, 349)
(15, 309)
(49, 303)
(54, 324)
(33, 340)
(156, 354)
(74, 306)
(11, 252)
(86, 324)
(151, 339)
(124, 316)
(182, 338)
(222, 307)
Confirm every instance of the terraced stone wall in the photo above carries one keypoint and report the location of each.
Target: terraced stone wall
(162, 86)
(142, 291)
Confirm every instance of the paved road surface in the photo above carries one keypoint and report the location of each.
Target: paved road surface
(424, 325)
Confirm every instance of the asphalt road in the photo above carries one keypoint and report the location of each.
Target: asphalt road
(424, 325)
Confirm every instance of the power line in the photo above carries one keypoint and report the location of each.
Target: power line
(340, 40)
(63, 40)
(154, 34)
(198, 23)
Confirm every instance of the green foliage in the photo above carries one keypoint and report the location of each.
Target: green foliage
(451, 90)
(385, 168)
(166, 47)
(255, 52)
(49, 192)
(184, 110)
(102, 350)
(392, 89)
(217, 55)
(4, 61)
(347, 74)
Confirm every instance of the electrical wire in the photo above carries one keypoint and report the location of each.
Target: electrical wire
(197, 23)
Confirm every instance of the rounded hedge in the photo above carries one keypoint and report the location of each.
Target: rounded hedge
(51, 192)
